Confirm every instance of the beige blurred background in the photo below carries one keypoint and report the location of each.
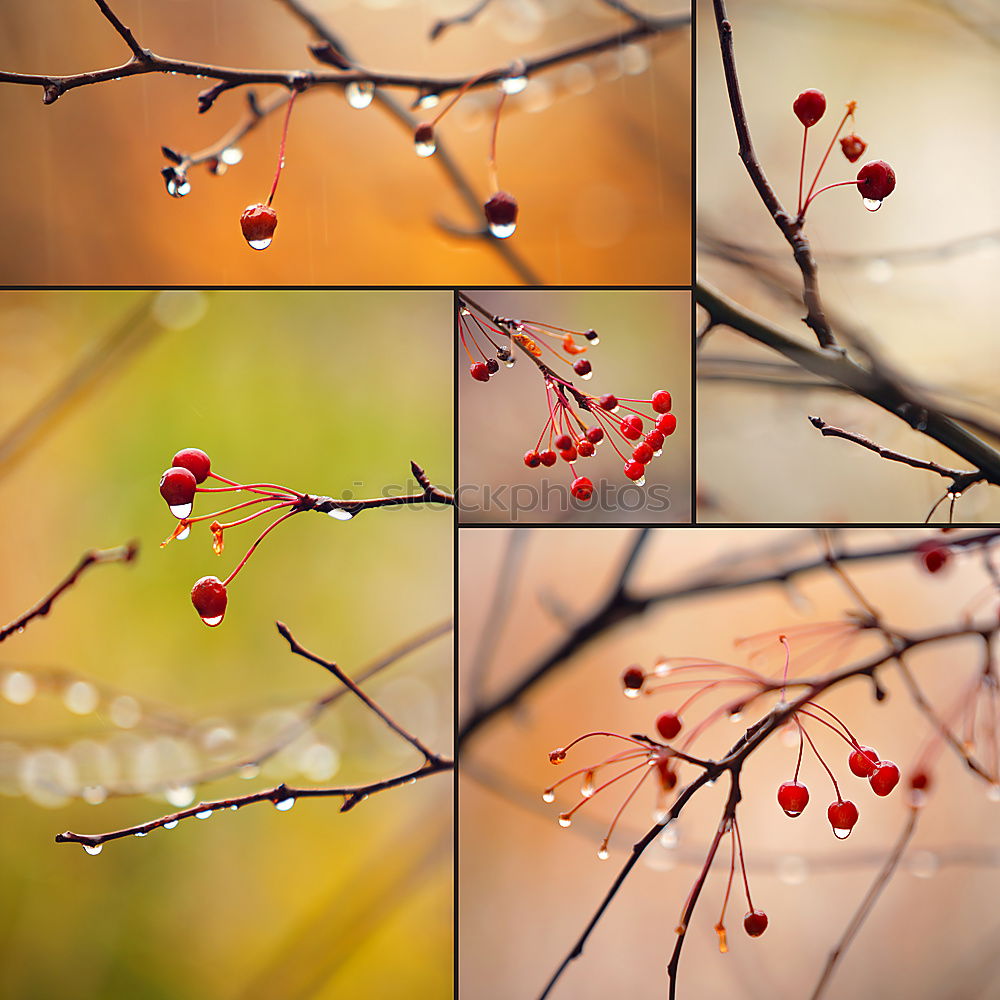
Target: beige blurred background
(925, 77)
(645, 345)
(597, 152)
(300, 388)
(528, 887)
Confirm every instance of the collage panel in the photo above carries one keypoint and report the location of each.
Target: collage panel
(844, 282)
(574, 406)
(727, 762)
(164, 706)
(414, 138)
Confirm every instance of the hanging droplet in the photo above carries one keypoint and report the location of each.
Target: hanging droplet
(565, 820)
(360, 94)
(428, 100)
(587, 788)
(872, 204)
(204, 814)
(184, 534)
(841, 833)
(170, 825)
(641, 481)
(510, 362)
(233, 808)
(257, 245)
(93, 848)
(501, 232)
(181, 510)
(212, 622)
(339, 514)
(231, 155)
(285, 804)
(141, 833)
(513, 84)
(425, 147)
(548, 795)
(177, 187)
(631, 692)
(592, 336)
(587, 377)
(603, 852)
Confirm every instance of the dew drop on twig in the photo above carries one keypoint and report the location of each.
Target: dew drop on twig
(339, 514)
(360, 94)
(93, 848)
(204, 814)
(285, 804)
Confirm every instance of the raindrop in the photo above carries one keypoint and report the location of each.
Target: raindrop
(285, 804)
(339, 514)
(564, 820)
(736, 716)
(465, 311)
(170, 825)
(212, 622)
(231, 155)
(184, 534)
(641, 481)
(657, 454)
(548, 795)
(501, 232)
(360, 94)
(93, 848)
(204, 814)
(603, 853)
(18, 687)
(179, 796)
(513, 84)
(233, 808)
(631, 693)
(427, 101)
(587, 377)
(181, 510)
(81, 698)
(841, 833)
(587, 788)
(510, 362)
(872, 204)
(425, 149)
(256, 245)
(141, 833)
(177, 187)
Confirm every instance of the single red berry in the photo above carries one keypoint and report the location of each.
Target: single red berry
(635, 470)
(862, 762)
(876, 180)
(633, 678)
(584, 448)
(884, 778)
(661, 401)
(423, 138)
(582, 488)
(920, 781)
(642, 453)
(631, 427)
(595, 435)
(548, 458)
(755, 923)
(479, 371)
(531, 459)
(842, 816)
(195, 461)
(934, 557)
(666, 424)
(793, 797)
(568, 454)
(655, 440)
(209, 598)
(608, 402)
(582, 367)
(501, 214)
(809, 107)
(563, 442)
(258, 223)
(177, 486)
(853, 146)
(668, 725)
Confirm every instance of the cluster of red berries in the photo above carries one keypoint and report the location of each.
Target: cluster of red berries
(875, 181)
(190, 468)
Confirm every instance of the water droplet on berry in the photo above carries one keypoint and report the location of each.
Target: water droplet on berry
(93, 848)
(872, 204)
(564, 820)
(178, 187)
(360, 94)
(212, 622)
(842, 833)
(631, 692)
(340, 514)
(181, 510)
(285, 804)
(204, 814)
(501, 232)
(548, 795)
(170, 825)
(641, 481)
(260, 244)
(603, 853)
(587, 788)
(184, 534)
(425, 149)
(231, 155)
(587, 377)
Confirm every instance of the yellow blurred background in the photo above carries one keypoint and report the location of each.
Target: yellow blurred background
(920, 72)
(529, 887)
(597, 152)
(645, 345)
(312, 389)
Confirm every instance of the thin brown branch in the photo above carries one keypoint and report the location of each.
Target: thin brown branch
(126, 33)
(122, 553)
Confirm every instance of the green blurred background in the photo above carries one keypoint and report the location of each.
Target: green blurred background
(597, 152)
(327, 392)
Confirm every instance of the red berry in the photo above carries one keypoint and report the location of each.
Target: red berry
(501, 213)
(492, 365)
(853, 146)
(631, 427)
(177, 486)
(655, 440)
(876, 180)
(531, 459)
(661, 401)
(842, 816)
(809, 107)
(209, 598)
(642, 453)
(563, 442)
(548, 458)
(793, 797)
(635, 470)
(920, 781)
(666, 424)
(568, 454)
(934, 557)
(582, 488)
(755, 923)
(258, 223)
(668, 725)
(608, 402)
(633, 678)
(884, 778)
(584, 448)
(479, 371)
(862, 762)
(582, 367)
(423, 134)
(595, 435)
(195, 461)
